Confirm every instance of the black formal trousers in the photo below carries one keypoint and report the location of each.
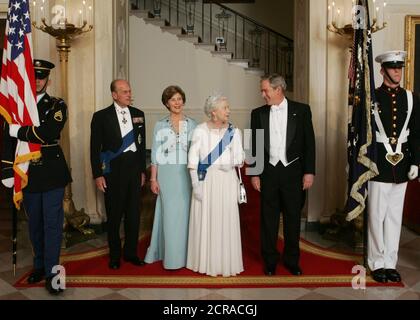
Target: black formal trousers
(122, 199)
(281, 191)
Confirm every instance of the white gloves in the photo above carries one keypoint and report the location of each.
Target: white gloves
(413, 173)
(13, 130)
(198, 191)
(8, 183)
(197, 185)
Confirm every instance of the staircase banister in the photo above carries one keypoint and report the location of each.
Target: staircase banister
(253, 21)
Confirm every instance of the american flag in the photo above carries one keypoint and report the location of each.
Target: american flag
(361, 127)
(18, 90)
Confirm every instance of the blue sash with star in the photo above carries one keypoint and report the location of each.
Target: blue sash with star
(107, 156)
(204, 164)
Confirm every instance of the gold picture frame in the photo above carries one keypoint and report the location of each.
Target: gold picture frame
(412, 40)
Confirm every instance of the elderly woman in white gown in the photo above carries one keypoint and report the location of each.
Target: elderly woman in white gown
(214, 242)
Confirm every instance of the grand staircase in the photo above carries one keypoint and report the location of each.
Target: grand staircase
(225, 33)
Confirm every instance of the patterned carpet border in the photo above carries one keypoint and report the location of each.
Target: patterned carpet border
(203, 281)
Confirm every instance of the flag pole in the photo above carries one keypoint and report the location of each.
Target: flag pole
(14, 234)
(365, 234)
(14, 238)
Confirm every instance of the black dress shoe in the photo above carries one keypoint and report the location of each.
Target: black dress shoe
(135, 260)
(295, 270)
(393, 275)
(50, 288)
(269, 272)
(36, 276)
(114, 264)
(379, 275)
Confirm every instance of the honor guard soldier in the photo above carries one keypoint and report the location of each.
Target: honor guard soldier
(47, 178)
(397, 116)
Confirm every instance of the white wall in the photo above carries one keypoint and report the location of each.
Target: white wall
(393, 36)
(3, 8)
(158, 59)
(277, 15)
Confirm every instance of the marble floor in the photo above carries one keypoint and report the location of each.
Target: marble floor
(408, 265)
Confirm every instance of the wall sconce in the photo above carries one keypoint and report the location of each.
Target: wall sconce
(336, 16)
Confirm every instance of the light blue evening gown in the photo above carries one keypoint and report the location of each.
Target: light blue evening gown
(170, 226)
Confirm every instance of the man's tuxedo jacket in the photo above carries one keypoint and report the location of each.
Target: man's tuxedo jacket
(106, 136)
(300, 138)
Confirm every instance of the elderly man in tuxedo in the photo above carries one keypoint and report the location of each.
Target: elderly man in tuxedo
(118, 160)
(289, 169)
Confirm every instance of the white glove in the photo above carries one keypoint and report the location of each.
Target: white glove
(198, 191)
(13, 130)
(197, 185)
(8, 183)
(413, 173)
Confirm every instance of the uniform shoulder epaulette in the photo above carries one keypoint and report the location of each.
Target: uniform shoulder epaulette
(56, 100)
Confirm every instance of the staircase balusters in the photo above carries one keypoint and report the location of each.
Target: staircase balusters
(268, 50)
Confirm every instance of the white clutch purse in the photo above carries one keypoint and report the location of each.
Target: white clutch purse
(241, 189)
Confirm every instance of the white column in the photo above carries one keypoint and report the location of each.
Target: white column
(89, 91)
(328, 64)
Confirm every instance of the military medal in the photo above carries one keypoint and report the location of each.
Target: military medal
(124, 120)
(139, 139)
(138, 120)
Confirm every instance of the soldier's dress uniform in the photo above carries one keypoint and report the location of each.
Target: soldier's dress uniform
(398, 149)
(47, 178)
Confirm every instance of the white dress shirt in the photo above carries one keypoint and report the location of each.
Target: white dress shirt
(126, 125)
(278, 133)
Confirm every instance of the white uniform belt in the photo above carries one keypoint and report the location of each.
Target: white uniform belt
(381, 136)
(384, 139)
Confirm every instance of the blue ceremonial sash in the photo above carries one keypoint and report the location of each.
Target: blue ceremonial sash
(107, 156)
(203, 165)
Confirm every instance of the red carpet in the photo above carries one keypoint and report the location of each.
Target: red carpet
(321, 267)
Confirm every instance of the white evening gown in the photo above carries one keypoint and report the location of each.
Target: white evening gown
(214, 242)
